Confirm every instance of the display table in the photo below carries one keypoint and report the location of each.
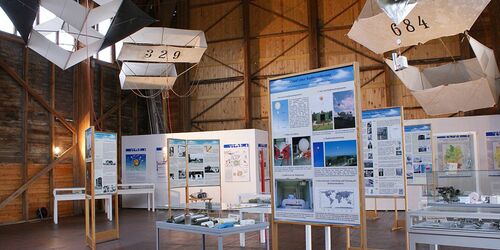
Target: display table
(75, 194)
(139, 188)
(454, 226)
(262, 211)
(219, 233)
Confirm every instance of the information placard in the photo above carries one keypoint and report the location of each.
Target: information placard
(493, 149)
(383, 152)
(237, 162)
(418, 144)
(135, 165)
(203, 163)
(105, 163)
(177, 162)
(314, 137)
(455, 154)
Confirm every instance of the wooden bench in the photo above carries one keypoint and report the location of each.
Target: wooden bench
(140, 188)
(75, 194)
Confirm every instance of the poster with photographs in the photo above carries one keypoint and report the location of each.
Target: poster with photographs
(176, 162)
(161, 163)
(455, 154)
(237, 162)
(314, 156)
(418, 144)
(105, 163)
(203, 163)
(493, 150)
(383, 152)
(88, 145)
(135, 165)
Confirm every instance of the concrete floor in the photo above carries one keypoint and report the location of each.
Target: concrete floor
(137, 232)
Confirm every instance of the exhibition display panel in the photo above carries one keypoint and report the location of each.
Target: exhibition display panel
(315, 121)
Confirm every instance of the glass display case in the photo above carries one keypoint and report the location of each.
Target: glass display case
(463, 209)
(465, 188)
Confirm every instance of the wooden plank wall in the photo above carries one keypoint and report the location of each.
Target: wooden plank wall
(29, 132)
(279, 33)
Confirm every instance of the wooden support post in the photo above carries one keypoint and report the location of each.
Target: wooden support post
(312, 6)
(246, 61)
(52, 133)
(25, 166)
(373, 215)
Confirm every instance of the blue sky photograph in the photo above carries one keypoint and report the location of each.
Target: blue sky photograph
(318, 154)
(314, 79)
(280, 114)
(340, 148)
(343, 101)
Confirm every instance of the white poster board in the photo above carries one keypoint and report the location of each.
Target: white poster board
(135, 165)
(203, 163)
(419, 157)
(493, 150)
(455, 153)
(383, 152)
(105, 163)
(177, 162)
(315, 156)
(237, 159)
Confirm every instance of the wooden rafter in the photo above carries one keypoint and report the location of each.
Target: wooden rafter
(40, 173)
(201, 5)
(224, 64)
(33, 93)
(341, 12)
(282, 16)
(217, 102)
(351, 48)
(278, 56)
(222, 17)
(115, 108)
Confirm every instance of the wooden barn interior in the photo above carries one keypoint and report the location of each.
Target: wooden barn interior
(45, 111)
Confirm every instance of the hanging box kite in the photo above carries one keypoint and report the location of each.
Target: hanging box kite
(80, 22)
(149, 55)
(428, 19)
(138, 75)
(459, 86)
(164, 45)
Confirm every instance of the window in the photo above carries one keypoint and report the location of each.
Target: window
(5, 23)
(105, 54)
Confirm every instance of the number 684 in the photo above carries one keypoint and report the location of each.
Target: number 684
(408, 26)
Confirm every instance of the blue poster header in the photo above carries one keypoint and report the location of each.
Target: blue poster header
(103, 135)
(135, 150)
(381, 113)
(243, 145)
(203, 142)
(490, 134)
(418, 128)
(314, 79)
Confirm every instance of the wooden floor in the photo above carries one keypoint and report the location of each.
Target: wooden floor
(137, 232)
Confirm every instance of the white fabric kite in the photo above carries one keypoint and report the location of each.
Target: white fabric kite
(155, 48)
(429, 19)
(134, 75)
(80, 22)
(459, 86)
